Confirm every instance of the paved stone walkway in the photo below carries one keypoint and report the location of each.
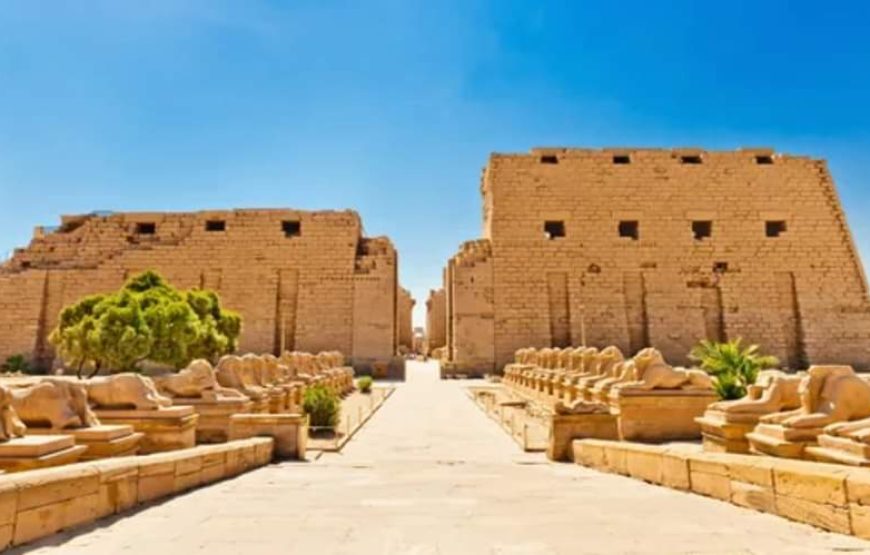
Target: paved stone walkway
(431, 474)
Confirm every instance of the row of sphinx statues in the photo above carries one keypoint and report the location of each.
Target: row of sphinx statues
(580, 379)
(822, 413)
(258, 383)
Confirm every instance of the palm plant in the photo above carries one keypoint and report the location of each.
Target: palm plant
(733, 366)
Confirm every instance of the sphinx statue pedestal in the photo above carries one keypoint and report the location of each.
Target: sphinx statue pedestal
(213, 424)
(726, 433)
(565, 428)
(164, 429)
(290, 432)
(659, 414)
(781, 441)
(39, 451)
(103, 441)
(840, 450)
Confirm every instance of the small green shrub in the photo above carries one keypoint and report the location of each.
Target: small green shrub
(322, 406)
(16, 364)
(365, 384)
(733, 367)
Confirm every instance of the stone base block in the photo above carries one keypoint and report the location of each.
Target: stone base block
(103, 441)
(778, 441)
(722, 436)
(659, 415)
(39, 451)
(564, 429)
(839, 450)
(213, 425)
(165, 429)
(290, 432)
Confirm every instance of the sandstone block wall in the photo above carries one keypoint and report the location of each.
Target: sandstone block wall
(636, 247)
(406, 319)
(471, 307)
(436, 319)
(301, 280)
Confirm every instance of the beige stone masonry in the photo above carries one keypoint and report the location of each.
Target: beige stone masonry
(290, 432)
(638, 247)
(833, 497)
(301, 280)
(39, 503)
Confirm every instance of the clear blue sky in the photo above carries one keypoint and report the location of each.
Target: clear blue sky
(391, 107)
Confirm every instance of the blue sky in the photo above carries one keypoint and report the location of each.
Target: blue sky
(391, 107)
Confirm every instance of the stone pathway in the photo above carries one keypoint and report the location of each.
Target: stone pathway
(430, 473)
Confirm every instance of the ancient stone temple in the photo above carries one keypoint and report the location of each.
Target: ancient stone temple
(405, 306)
(436, 319)
(304, 281)
(642, 247)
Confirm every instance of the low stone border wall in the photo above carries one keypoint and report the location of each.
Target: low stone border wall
(829, 496)
(352, 421)
(530, 433)
(38, 503)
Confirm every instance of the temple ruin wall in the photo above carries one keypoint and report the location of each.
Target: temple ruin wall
(301, 280)
(663, 247)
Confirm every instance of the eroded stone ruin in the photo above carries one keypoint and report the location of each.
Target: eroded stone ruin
(301, 280)
(642, 247)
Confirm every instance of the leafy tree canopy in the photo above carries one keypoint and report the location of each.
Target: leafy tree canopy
(147, 319)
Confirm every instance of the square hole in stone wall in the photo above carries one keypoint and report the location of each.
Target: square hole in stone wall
(215, 225)
(764, 160)
(630, 229)
(621, 159)
(146, 228)
(702, 229)
(554, 229)
(549, 159)
(774, 228)
(291, 228)
(690, 159)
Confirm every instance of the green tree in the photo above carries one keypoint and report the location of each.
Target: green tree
(733, 366)
(147, 319)
(219, 328)
(76, 334)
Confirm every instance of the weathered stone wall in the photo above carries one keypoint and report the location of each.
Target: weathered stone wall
(301, 280)
(436, 319)
(471, 308)
(406, 319)
(624, 259)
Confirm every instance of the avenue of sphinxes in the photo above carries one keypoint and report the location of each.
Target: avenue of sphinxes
(581, 306)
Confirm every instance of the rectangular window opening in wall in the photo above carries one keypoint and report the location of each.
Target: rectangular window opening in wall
(291, 228)
(549, 159)
(774, 228)
(630, 229)
(764, 160)
(621, 159)
(720, 267)
(215, 225)
(690, 159)
(702, 229)
(554, 229)
(146, 228)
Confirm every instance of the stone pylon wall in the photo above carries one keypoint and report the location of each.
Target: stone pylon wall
(301, 280)
(436, 319)
(660, 247)
(406, 319)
